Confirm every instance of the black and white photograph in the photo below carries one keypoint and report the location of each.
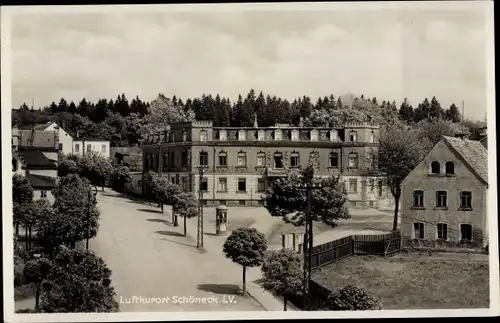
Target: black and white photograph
(247, 161)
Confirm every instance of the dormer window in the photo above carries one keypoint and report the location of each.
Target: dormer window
(314, 135)
(203, 135)
(261, 135)
(334, 136)
(278, 135)
(222, 135)
(353, 136)
(295, 135)
(242, 135)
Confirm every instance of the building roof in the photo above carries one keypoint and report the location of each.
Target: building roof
(89, 140)
(41, 126)
(472, 153)
(36, 159)
(40, 181)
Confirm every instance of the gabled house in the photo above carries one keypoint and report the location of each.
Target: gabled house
(445, 197)
(65, 139)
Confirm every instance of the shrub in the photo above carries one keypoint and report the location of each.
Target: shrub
(352, 298)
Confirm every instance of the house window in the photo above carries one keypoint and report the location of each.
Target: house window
(314, 135)
(103, 149)
(449, 168)
(294, 160)
(222, 135)
(295, 135)
(43, 194)
(185, 185)
(353, 136)
(242, 185)
(242, 202)
(278, 160)
(442, 231)
(61, 147)
(77, 148)
(466, 232)
(372, 137)
(353, 160)
(418, 230)
(184, 136)
(203, 135)
(418, 198)
(261, 185)
(353, 185)
(184, 158)
(334, 136)
(261, 160)
(435, 167)
(204, 184)
(334, 160)
(242, 135)
(203, 158)
(278, 135)
(89, 147)
(222, 184)
(380, 188)
(222, 202)
(441, 199)
(261, 135)
(466, 200)
(222, 159)
(372, 184)
(242, 159)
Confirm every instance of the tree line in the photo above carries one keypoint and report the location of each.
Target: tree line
(127, 123)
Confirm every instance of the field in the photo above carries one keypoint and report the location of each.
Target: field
(415, 281)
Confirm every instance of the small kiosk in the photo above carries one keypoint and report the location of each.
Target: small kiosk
(221, 220)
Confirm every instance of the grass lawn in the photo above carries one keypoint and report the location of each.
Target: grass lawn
(414, 281)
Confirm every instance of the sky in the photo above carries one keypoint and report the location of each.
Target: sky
(387, 54)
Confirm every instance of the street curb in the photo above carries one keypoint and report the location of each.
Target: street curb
(257, 300)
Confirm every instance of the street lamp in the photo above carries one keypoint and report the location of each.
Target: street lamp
(199, 237)
(92, 199)
(308, 243)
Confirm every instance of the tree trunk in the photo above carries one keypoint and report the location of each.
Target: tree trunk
(185, 226)
(176, 223)
(37, 295)
(244, 280)
(284, 302)
(396, 209)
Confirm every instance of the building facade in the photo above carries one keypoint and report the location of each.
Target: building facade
(80, 146)
(444, 198)
(239, 163)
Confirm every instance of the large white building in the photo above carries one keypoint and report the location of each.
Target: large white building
(81, 146)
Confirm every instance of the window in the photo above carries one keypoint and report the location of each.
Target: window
(380, 188)
(278, 160)
(466, 200)
(242, 185)
(43, 194)
(261, 160)
(77, 148)
(177, 179)
(203, 135)
(418, 230)
(353, 160)
(185, 184)
(371, 183)
(353, 185)
(184, 136)
(295, 135)
(184, 158)
(418, 198)
(334, 136)
(222, 135)
(222, 159)
(314, 135)
(261, 185)
(442, 231)
(89, 147)
(222, 202)
(242, 135)
(449, 168)
(261, 135)
(441, 199)
(294, 160)
(353, 136)
(103, 149)
(242, 202)
(60, 146)
(334, 160)
(372, 137)
(435, 167)
(203, 158)
(204, 184)
(278, 135)
(466, 232)
(222, 184)
(242, 159)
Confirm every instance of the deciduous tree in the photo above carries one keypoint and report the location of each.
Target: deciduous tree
(185, 206)
(22, 196)
(121, 177)
(246, 247)
(36, 271)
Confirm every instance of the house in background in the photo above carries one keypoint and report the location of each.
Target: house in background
(81, 146)
(444, 198)
(65, 139)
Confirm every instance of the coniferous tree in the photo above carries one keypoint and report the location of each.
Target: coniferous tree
(435, 110)
(422, 111)
(63, 106)
(72, 107)
(406, 111)
(83, 108)
(452, 114)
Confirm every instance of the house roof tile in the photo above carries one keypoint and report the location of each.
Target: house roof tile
(473, 153)
(34, 158)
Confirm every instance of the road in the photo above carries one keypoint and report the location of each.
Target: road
(151, 261)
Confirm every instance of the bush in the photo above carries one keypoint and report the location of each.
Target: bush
(352, 298)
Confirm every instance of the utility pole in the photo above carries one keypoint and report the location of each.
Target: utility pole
(199, 237)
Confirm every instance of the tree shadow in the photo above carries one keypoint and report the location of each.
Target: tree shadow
(230, 289)
(170, 233)
(150, 211)
(180, 243)
(160, 221)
